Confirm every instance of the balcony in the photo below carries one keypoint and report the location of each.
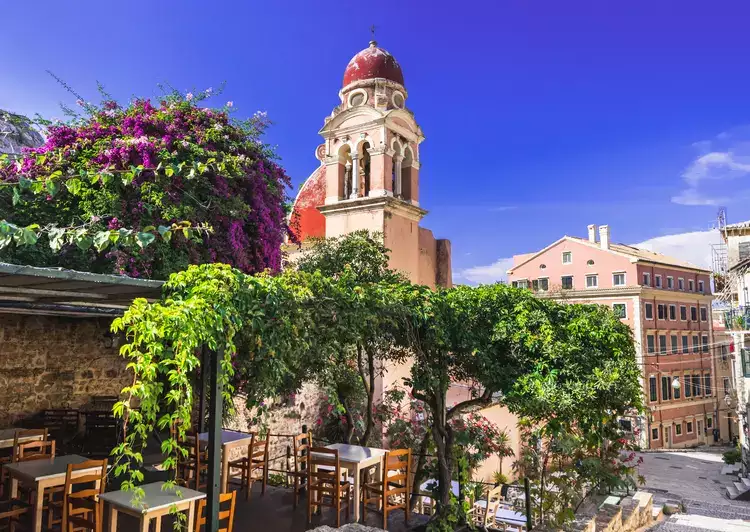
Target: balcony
(737, 319)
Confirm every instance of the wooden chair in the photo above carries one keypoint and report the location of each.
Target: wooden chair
(34, 450)
(12, 510)
(326, 483)
(81, 507)
(101, 432)
(394, 489)
(483, 511)
(62, 425)
(224, 515)
(192, 470)
(256, 460)
(302, 444)
(19, 436)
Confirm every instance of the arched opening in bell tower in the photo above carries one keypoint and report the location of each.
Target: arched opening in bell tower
(406, 185)
(344, 171)
(364, 169)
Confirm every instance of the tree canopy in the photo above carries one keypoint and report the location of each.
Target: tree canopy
(146, 190)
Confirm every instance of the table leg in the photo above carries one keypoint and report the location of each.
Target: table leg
(145, 521)
(357, 473)
(14, 488)
(112, 518)
(379, 476)
(191, 517)
(224, 469)
(38, 509)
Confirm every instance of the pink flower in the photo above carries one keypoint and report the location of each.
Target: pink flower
(189, 96)
(80, 102)
(230, 103)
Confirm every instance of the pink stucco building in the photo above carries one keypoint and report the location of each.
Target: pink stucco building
(667, 304)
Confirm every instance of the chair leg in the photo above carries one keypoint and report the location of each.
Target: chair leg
(265, 478)
(309, 505)
(296, 491)
(338, 509)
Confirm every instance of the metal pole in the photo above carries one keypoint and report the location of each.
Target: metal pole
(214, 443)
(527, 489)
(205, 361)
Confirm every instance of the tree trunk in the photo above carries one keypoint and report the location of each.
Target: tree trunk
(444, 445)
(368, 381)
(419, 471)
(349, 433)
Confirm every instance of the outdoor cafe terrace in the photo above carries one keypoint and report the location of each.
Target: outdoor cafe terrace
(61, 375)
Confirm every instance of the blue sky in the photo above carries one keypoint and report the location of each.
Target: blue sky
(540, 116)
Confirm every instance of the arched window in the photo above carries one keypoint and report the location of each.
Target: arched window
(396, 169)
(364, 170)
(345, 172)
(406, 185)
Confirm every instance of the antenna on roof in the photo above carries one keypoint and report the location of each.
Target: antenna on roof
(373, 42)
(721, 221)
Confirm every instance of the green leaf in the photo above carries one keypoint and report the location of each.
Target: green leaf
(144, 239)
(16, 196)
(26, 236)
(82, 239)
(169, 171)
(56, 238)
(74, 186)
(101, 240)
(165, 232)
(52, 187)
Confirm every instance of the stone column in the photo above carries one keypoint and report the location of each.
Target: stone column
(347, 179)
(355, 176)
(397, 159)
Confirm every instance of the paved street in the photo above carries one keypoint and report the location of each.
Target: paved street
(688, 475)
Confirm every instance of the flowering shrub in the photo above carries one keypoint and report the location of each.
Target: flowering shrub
(126, 175)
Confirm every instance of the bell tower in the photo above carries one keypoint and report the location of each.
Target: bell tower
(371, 159)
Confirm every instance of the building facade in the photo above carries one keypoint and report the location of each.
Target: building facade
(667, 304)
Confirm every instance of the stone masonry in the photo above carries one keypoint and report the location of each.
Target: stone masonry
(55, 362)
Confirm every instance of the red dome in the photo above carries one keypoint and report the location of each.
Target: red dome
(371, 63)
(306, 220)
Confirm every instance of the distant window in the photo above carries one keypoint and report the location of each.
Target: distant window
(687, 385)
(542, 266)
(709, 422)
(661, 311)
(696, 385)
(683, 312)
(689, 427)
(700, 287)
(357, 99)
(567, 282)
(678, 429)
(544, 284)
(675, 344)
(646, 279)
(514, 284)
(681, 283)
(693, 314)
(673, 312)
(618, 279)
(652, 388)
(670, 282)
(650, 343)
(704, 314)
(567, 257)
(523, 283)
(535, 285)
(657, 281)
(695, 343)
(724, 351)
(649, 309)
(707, 384)
(590, 262)
(744, 250)
(655, 434)
(666, 388)
(620, 310)
(592, 281)
(685, 346)
(676, 390)
(691, 285)
(705, 343)
(663, 344)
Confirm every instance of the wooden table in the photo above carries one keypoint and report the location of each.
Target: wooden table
(356, 459)
(230, 439)
(7, 437)
(40, 475)
(156, 503)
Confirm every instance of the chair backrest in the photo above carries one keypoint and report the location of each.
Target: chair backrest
(61, 421)
(494, 496)
(258, 449)
(397, 472)
(302, 443)
(323, 456)
(34, 450)
(25, 435)
(225, 514)
(82, 492)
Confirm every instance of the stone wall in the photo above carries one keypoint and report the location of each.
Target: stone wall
(55, 362)
(632, 513)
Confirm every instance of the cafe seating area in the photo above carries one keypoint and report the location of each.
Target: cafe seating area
(46, 485)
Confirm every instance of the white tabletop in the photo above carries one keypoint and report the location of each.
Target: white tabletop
(228, 436)
(155, 497)
(42, 469)
(356, 453)
(430, 484)
(510, 516)
(8, 436)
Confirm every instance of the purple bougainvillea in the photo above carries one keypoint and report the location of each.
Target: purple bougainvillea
(144, 166)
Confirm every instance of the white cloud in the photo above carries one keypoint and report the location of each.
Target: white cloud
(722, 164)
(484, 274)
(693, 247)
